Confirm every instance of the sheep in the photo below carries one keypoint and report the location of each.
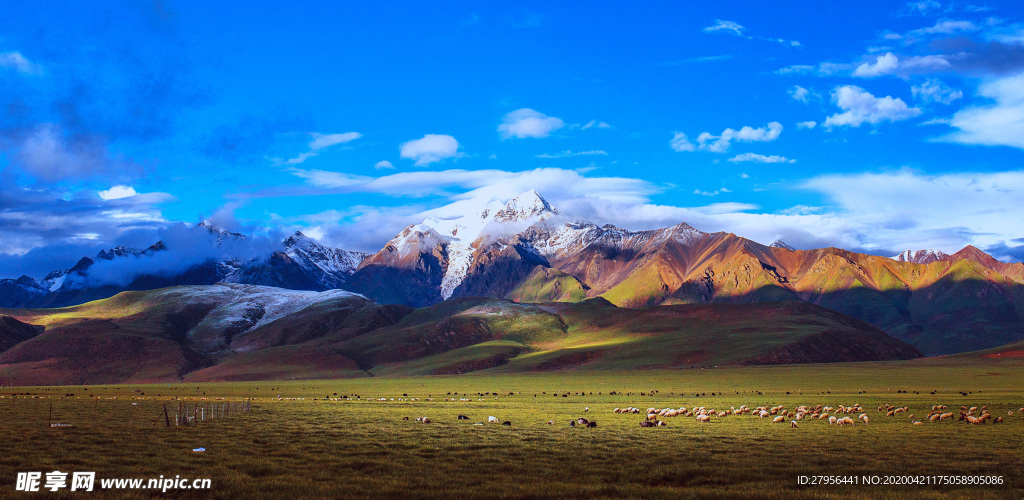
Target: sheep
(646, 423)
(425, 420)
(582, 421)
(917, 423)
(998, 420)
(779, 419)
(463, 417)
(586, 408)
(831, 420)
(405, 418)
(572, 423)
(792, 423)
(551, 422)
(591, 424)
(652, 416)
(507, 423)
(935, 418)
(661, 424)
(492, 420)
(703, 418)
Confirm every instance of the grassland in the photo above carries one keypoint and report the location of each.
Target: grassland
(359, 447)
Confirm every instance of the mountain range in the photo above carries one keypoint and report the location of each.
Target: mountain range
(526, 251)
(227, 332)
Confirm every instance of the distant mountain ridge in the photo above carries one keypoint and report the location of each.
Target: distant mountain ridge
(937, 302)
(526, 250)
(301, 264)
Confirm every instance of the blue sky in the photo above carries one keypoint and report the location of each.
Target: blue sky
(873, 126)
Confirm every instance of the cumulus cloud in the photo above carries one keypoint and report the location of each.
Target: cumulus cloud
(525, 122)
(799, 93)
(998, 124)
(431, 148)
(17, 62)
(807, 125)
(117, 192)
(933, 90)
(680, 143)
(859, 106)
(756, 158)
(383, 164)
(720, 143)
(890, 64)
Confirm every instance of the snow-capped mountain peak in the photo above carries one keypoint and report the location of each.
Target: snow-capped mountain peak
(925, 256)
(328, 263)
(527, 205)
(781, 244)
(493, 220)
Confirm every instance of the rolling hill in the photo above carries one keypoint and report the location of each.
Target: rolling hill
(248, 332)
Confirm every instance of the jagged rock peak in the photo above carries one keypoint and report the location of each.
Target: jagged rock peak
(524, 206)
(926, 256)
(781, 244)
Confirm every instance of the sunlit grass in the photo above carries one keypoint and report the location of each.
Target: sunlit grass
(358, 448)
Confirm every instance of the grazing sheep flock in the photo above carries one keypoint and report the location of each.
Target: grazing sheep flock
(839, 416)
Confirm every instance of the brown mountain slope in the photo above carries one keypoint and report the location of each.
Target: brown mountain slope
(245, 332)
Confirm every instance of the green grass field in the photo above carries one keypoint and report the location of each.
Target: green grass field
(361, 448)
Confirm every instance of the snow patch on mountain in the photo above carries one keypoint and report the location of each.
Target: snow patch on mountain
(333, 264)
(495, 219)
(781, 244)
(925, 256)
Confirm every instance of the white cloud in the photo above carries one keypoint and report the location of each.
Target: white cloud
(568, 154)
(430, 148)
(945, 27)
(799, 93)
(711, 193)
(821, 69)
(320, 142)
(890, 64)
(807, 125)
(721, 142)
(884, 65)
(680, 143)
(933, 90)
(729, 27)
(596, 124)
(756, 158)
(383, 164)
(734, 28)
(859, 106)
(906, 210)
(19, 63)
(525, 122)
(997, 124)
(882, 212)
(117, 192)
(922, 7)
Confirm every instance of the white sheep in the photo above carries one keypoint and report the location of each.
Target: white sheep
(493, 420)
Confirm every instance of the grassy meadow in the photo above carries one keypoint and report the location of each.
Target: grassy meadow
(304, 446)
